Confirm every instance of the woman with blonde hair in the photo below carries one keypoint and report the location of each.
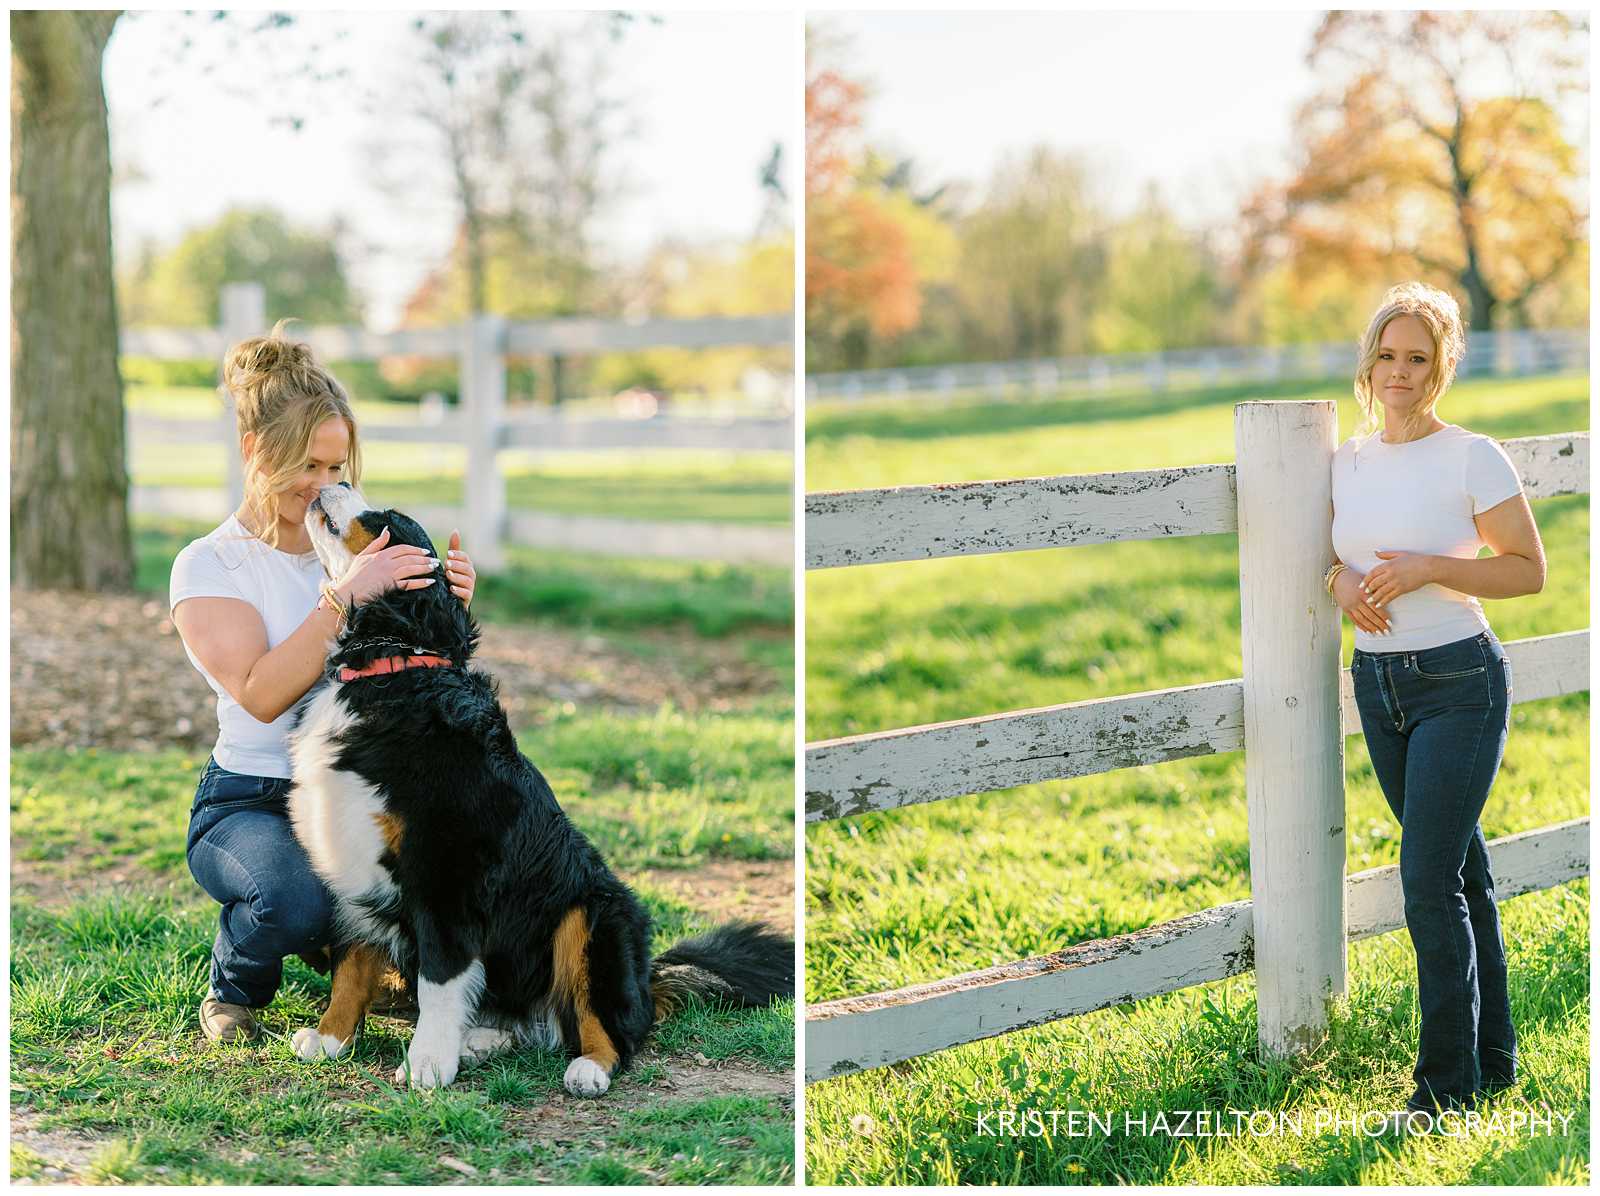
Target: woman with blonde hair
(257, 613)
(1413, 502)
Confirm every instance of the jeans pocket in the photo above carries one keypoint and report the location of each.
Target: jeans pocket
(221, 789)
(1465, 658)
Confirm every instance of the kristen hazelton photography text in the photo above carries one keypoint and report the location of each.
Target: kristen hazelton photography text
(1255, 1123)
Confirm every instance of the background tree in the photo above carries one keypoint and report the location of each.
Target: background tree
(299, 268)
(1163, 286)
(69, 484)
(526, 126)
(1409, 168)
(860, 278)
(1033, 258)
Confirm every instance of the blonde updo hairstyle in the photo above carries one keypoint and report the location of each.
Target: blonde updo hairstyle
(1442, 318)
(282, 395)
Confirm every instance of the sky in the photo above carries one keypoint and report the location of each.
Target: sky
(1199, 103)
(195, 132)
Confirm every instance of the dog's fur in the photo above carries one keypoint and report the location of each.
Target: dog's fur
(450, 859)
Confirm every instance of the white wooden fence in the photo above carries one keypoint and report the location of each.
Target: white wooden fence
(1505, 353)
(1289, 713)
(484, 426)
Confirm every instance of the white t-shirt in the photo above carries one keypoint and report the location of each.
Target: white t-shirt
(284, 587)
(1419, 496)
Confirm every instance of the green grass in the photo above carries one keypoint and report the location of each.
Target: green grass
(573, 589)
(931, 891)
(105, 989)
(899, 444)
(104, 1044)
(670, 485)
(916, 1123)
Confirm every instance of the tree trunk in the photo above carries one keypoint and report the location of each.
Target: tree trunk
(1480, 300)
(69, 479)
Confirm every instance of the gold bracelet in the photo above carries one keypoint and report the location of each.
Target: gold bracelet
(332, 597)
(1334, 570)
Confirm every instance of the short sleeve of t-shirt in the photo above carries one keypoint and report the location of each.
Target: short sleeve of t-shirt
(199, 573)
(1491, 477)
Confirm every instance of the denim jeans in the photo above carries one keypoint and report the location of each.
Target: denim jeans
(1435, 722)
(243, 852)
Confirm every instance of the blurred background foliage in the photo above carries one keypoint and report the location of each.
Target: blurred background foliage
(1401, 170)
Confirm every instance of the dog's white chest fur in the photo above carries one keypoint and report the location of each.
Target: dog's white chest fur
(335, 815)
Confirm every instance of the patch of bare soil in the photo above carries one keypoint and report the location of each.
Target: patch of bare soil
(727, 889)
(568, 1123)
(109, 671)
(65, 1153)
(54, 885)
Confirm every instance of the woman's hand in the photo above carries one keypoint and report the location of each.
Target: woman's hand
(1400, 573)
(1352, 599)
(377, 569)
(458, 569)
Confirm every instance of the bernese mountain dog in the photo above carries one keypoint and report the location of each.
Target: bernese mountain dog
(452, 864)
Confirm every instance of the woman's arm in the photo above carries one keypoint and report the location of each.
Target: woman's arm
(229, 639)
(1516, 568)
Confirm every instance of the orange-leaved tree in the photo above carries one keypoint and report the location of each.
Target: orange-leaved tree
(861, 277)
(1434, 149)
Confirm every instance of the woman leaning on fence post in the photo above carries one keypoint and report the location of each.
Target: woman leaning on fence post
(256, 614)
(1413, 502)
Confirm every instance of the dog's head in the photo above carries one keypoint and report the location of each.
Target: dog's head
(430, 617)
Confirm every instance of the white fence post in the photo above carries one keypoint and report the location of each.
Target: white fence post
(483, 397)
(244, 314)
(1294, 749)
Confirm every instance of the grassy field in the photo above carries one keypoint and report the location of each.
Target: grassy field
(660, 484)
(934, 890)
(111, 937)
(104, 1041)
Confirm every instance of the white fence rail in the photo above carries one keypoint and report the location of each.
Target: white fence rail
(1303, 909)
(858, 1033)
(484, 427)
(903, 523)
(1508, 353)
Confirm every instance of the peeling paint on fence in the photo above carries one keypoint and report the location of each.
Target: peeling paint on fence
(888, 769)
(863, 527)
(859, 1033)
(872, 1031)
(1551, 465)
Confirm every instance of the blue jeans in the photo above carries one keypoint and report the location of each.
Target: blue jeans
(243, 852)
(1435, 722)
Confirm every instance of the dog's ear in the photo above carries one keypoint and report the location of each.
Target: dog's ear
(405, 530)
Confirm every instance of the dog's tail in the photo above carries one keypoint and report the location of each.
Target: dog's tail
(741, 964)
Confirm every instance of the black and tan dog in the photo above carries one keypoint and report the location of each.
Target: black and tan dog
(450, 859)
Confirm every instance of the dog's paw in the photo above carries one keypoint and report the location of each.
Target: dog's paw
(585, 1077)
(309, 1044)
(425, 1070)
(478, 1043)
